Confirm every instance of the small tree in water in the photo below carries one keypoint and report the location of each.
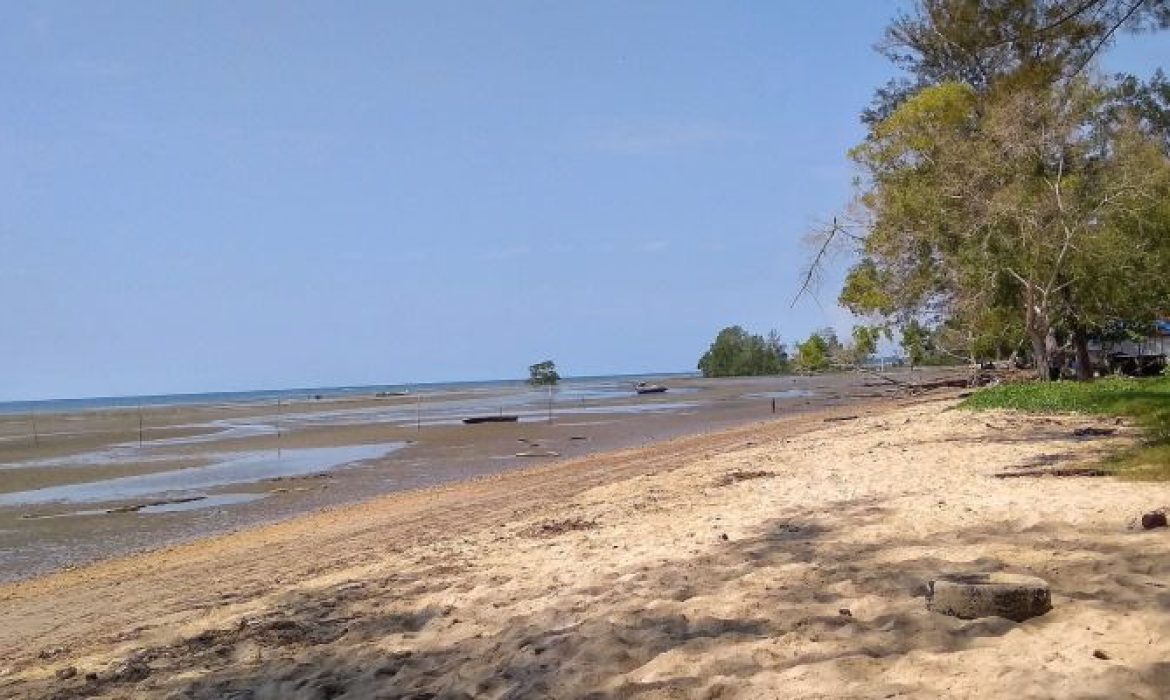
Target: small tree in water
(543, 373)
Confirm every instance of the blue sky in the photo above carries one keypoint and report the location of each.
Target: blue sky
(203, 196)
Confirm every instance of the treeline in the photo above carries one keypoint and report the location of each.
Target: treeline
(738, 353)
(1014, 201)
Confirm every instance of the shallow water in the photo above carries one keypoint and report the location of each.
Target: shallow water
(786, 394)
(222, 499)
(229, 468)
(208, 449)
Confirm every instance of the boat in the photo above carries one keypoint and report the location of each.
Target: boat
(647, 388)
(491, 419)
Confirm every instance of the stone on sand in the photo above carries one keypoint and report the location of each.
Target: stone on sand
(1153, 520)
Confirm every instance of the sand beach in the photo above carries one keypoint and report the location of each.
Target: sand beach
(780, 559)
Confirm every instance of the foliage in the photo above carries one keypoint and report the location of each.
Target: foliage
(1148, 101)
(981, 42)
(816, 353)
(915, 342)
(1005, 196)
(737, 353)
(865, 343)
(543, 374)
(1147, 401)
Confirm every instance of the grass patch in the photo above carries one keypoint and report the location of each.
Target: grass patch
(1143, 401)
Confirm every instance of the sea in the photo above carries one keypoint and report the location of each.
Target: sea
(578, 384)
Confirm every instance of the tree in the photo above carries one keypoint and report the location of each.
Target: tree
(1148, 101)
(737, 353)
(1005, 194)
(915, 342)
(1027, 199)
(981, 43)
(543, 374)
(864, 343)
(813, 355)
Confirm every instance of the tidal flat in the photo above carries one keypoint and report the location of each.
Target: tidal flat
(76, 486)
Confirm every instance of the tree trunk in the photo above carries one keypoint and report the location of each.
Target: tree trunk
(1038, 329)
(1056, 357)
(1081, 344)
(1039, 340)
(1080, 337)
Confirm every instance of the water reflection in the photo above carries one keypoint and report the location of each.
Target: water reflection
(229, 468)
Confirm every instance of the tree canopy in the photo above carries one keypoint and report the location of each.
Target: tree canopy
(982, 43)
(737, 353)
(543, 373)
(816, 352)
(1006, 193)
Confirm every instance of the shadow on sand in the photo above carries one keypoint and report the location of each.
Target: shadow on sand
(387, 639)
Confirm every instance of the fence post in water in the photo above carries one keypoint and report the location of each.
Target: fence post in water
(773, 405)
(417, 411)
(140, 425)
(550, 388)
(279, 426)
(36, 433)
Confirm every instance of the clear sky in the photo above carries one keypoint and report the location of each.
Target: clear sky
(202, 196)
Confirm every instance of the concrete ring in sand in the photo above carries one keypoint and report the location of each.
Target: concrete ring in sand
(968, 596)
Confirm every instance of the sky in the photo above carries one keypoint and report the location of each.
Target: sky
(203, 196)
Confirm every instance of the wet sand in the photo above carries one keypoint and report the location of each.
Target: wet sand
(778, 559)
(102, 494)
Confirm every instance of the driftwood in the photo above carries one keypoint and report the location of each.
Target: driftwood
(884, 378)
(1094, 432)
(1072, 471)
(978, 379)
(942, 384)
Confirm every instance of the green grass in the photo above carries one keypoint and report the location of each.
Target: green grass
(1146, 402)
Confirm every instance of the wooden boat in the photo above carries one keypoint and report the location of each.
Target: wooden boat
(647, 388)
(491, 419)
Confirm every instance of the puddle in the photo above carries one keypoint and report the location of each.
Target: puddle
(626, 409)
(786, 394)
(231, 468)
(217, 430)
(582, 423)
(223, 499)
(177, 506)
(69, 514)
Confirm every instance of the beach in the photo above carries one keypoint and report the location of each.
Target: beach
(782, 558)
(108, 478)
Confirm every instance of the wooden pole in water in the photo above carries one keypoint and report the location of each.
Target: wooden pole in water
(417, 411)
(140, 425)
(36, 433)
(550, 387)
(279, 425)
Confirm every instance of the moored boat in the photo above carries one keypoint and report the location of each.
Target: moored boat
(491, 419)
(648, 388)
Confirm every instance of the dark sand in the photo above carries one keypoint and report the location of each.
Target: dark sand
(36, 538)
